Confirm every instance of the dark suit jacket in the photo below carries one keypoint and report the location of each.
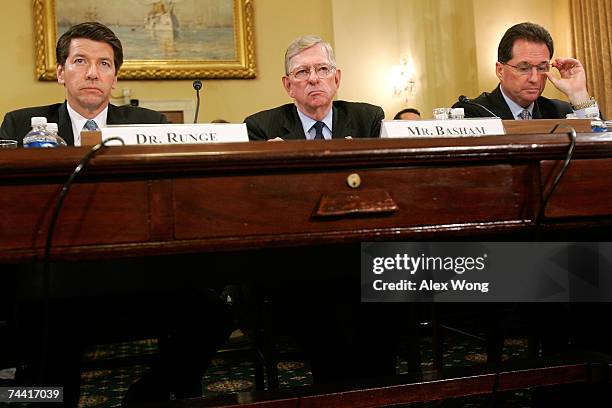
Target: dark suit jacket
(544, 108)
(17, 123)
(349, 119)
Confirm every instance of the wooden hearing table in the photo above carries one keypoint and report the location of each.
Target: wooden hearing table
(146, 200)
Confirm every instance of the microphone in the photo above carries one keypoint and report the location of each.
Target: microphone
(197, 85)
(464, 99)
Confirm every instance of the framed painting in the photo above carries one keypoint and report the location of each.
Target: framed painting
(162, 39)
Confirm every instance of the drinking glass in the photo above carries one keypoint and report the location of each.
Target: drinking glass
(8, 144)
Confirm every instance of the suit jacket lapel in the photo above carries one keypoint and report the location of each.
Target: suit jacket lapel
(64, 124)
(337, 122)
(113, 116)
(292, 126)
(537, 110)
(500, 105)
(342, 124)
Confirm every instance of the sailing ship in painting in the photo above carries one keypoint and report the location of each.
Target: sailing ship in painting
(161, 17)
(150, 30)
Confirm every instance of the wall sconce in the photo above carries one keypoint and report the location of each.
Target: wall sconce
(403, 80)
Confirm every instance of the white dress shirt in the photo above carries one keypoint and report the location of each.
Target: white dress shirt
(308, 125)
(78, 122)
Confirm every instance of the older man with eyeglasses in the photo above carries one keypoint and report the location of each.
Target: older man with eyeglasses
(311, 79)
(524, 59)
(314, 292)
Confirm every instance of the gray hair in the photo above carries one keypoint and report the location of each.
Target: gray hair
(302, 43)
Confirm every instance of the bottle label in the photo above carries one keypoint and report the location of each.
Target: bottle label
(37, 143)
(598, 125)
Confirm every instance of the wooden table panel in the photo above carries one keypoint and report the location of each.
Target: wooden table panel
(584, 191)
(93, 213)
(286, 203)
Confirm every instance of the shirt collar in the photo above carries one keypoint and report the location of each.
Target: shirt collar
(78, 122)
(308, 122)
(515, 108)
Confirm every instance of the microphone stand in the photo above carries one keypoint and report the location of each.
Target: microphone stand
(197, 85)
(465, 100)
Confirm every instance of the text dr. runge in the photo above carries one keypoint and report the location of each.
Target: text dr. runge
(172, 137)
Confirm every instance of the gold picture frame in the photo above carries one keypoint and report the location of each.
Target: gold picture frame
(228, 52)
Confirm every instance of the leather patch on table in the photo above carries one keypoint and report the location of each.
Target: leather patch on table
(355, 203)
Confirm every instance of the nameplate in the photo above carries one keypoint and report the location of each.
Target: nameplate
(176, 134)
(442, 128)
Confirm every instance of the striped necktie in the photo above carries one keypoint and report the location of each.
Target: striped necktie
(318, 126)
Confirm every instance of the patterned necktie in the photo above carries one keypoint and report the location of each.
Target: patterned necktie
(91, 125)
(525, 115)
(318, 126)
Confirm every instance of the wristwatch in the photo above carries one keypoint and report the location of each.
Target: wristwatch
(586, 104)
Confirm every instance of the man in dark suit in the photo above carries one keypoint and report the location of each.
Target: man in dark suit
(17, 123)
(523, 66)
(311, 79)
(347, 340)
(89, 55)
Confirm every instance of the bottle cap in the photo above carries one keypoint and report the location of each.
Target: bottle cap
(52, 126)
(38, 121)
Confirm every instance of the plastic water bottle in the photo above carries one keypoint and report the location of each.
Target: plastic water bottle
(597, 125)
(40, 136)
(53, 128)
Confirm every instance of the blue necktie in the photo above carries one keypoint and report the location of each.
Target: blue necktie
(91, 125)
(318, 126)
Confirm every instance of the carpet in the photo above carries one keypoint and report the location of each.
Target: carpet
(233, 373)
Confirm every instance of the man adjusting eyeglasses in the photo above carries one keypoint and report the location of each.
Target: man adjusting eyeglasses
(524, 62)
(312, 79)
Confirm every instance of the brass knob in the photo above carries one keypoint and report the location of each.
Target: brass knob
(353, 180)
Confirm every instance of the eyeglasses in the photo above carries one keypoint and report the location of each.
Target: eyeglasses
(303, 73)
(525, 68)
